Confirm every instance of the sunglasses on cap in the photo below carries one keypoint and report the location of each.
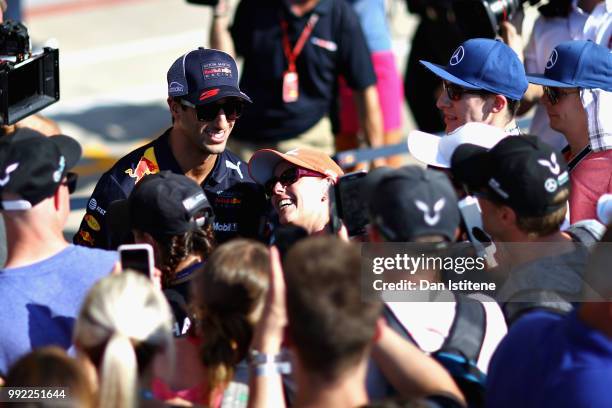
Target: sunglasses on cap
(554, 95)
(288, 177)
(455, 92)
(207, 113)
(71, 181)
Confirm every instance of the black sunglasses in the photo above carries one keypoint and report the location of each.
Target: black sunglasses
(455, 92)
(71, 181)
(555, 94)
(207, 113)
(288, 177)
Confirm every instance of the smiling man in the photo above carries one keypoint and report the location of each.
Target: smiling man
(297, 183)
(483, 81)
(205, 103)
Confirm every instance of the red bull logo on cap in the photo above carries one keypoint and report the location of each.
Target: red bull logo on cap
(146, 165)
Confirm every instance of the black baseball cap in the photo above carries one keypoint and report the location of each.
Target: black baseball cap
(162, 204)
(204, 76)
(32, 166)
(521, 172)
(411, 202)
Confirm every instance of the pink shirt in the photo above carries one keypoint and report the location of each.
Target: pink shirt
(590, 179)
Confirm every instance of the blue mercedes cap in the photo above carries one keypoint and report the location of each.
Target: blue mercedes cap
(203, 76)
(482, 63)
(577, 64)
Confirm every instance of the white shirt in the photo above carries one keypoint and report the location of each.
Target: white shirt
(598, 27)
(429, 324)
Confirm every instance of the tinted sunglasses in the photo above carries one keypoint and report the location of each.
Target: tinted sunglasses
(71, 181)
(289, 177)
(207, 113)
(555, 94)
(455, 92)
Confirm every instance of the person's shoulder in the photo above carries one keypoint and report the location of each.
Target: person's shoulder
(533, 327)
(92, 258)
(133, 156)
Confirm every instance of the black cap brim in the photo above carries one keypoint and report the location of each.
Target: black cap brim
(70, 149)
(216, 93)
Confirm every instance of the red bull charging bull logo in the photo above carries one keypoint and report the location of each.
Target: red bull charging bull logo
(146, 165)
(86, 237)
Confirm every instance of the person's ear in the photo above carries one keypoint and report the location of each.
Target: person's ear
(59, 198)
(499, 103)
(507, 215)
(174, 106)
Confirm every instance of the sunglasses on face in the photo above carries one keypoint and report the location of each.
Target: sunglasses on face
(289, 177)
(208, 113)
(71, 181)
(554, 95)
(455, 92)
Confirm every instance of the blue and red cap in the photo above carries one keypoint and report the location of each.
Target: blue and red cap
(577, 64)
(203, 76)
(484, 64)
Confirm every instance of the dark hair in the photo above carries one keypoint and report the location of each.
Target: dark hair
(542, 225)
(51, 367)
(545, 224)
(331, 322)
(228, 304)
(173, 249)
(177, 99)
(513, 106)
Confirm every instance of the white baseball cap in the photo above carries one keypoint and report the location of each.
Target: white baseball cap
(437, 150)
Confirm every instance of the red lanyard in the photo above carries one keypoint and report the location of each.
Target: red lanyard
(293, 54)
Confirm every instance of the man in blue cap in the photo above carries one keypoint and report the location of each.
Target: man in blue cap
(483, 81)
(577, 85)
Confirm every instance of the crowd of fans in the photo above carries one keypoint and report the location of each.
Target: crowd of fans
(239, 312)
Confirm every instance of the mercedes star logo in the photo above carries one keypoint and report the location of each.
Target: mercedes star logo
(552, 60)
(457, 56)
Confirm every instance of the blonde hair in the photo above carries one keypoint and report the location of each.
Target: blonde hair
(123, 323)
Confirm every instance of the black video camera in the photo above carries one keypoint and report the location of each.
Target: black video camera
(28, 83)
(481, 18)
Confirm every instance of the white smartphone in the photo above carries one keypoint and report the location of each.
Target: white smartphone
(471, 215)
(472, 218)
(137, 257)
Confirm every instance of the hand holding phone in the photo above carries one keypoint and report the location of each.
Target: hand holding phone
(347, 204)
(137, 257)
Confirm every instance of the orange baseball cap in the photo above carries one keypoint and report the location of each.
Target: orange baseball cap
(264, 161)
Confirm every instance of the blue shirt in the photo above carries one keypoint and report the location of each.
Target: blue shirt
(238, 202)
(335, 47)
(373, 19)
(39, 303)
(549, 360)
